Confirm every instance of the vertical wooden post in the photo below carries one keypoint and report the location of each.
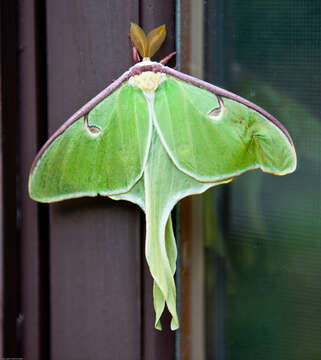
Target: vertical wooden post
(94, 243)
(86, 288)
(10, 259)
(33, 236)
(1, 218)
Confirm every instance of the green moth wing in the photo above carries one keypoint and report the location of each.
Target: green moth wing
(222, 138)
(102, 152)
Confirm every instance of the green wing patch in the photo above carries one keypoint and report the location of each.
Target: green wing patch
(211, 150)
(102, 154)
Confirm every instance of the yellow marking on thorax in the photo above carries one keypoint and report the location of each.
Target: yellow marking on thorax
(148, 80)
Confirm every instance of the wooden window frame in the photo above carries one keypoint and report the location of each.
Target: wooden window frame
(36, 304)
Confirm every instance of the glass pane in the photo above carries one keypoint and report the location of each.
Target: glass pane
(252, 290)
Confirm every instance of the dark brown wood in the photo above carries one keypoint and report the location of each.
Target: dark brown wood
(95, 280)
(185, 36)
(10, 270)
(185, 264)
(1, 215)
(154, 13)
(94, 243)
(157, 345)
(34, 237)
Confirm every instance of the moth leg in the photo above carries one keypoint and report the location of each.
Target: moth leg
(167, 58)
(135, 52)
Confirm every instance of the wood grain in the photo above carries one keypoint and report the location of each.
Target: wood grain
(94, 243)
(33, 234)
(10, 254)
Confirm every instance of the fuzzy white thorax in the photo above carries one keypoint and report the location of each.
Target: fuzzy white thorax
(147, 80)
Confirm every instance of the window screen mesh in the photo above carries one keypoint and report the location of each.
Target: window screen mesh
(263, 232)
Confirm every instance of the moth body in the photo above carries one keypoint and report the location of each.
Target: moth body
(147, 80)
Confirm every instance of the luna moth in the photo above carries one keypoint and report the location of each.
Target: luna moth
(153, 137)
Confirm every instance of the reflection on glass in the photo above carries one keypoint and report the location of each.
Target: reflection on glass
(251, 250)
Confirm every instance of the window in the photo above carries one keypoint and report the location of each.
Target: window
(250, 257)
